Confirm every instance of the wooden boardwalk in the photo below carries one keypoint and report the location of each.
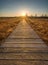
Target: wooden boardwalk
(23, 47)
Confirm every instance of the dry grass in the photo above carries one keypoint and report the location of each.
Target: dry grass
(7, 25)
(40, 25)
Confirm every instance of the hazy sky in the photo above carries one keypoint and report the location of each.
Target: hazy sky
(16, 7)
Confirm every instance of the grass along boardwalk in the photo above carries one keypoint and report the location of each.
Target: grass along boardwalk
(23, 47)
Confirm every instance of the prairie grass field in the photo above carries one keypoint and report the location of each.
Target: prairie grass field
(40, 25)
(7, 25)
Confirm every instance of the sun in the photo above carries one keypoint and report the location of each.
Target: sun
(23, 13)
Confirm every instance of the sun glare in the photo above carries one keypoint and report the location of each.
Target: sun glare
(23, 13)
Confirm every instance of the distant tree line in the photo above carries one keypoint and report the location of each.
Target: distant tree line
(39, 16)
